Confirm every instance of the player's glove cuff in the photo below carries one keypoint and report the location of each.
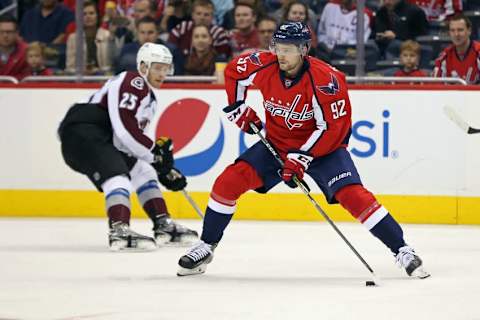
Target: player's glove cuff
(163, 155)
(242, 115)
(173, 180)
(302, 157)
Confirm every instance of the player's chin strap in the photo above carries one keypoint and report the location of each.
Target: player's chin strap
(315, 204)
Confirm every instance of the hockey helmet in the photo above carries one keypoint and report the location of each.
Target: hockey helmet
(296, 33)
(154, 53)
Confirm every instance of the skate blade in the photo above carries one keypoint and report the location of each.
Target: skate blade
(191, 272)
(420, 273)
(184, 241)
(142, 246)
(163, 239)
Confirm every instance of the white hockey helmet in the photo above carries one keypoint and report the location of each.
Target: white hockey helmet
(150, 53)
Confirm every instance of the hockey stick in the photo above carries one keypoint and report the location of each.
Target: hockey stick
(192, 203)
(455, 117)
(315, 204)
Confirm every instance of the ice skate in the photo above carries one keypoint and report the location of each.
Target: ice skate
(121, 237)
(196, 260)
(168, 232)
(408, 259)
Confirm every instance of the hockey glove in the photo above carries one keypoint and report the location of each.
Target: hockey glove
(296, 164)
(163, 155)
(242, 115)
(173, 180)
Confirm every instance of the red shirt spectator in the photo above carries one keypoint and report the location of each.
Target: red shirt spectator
(410, 73)
(35, 55)
(462, 58)
(438, 10)
(202, 13)
(245, 35)
(409, 58)
(12, 49)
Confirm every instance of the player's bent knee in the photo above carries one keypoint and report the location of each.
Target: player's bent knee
(356, 199)
(234, 181)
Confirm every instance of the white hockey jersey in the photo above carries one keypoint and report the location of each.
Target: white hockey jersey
(338, 26)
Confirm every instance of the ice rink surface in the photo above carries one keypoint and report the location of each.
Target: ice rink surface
(59, 269)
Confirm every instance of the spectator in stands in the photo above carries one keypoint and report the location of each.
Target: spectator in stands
(266, 27)
(461, 58)
(146, 31)
(143, 8)
(229, 17)
(202, 13)
(281, 13)
(96, 44)
(244, 36)
(397, 21)
(36, 60)
(46, 23)
(338, 24)
(201, 60)
(439, 10)
(12, 49)
(409, 59)
(175, 13)
(221, 8)
(297, 11)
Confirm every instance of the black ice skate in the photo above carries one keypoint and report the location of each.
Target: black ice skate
(167, 231)
(121, 237)
(408, 259)
(196, 259)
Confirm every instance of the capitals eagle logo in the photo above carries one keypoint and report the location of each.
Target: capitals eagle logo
(331, 88)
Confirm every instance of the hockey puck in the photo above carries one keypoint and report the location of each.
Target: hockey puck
(370, 283)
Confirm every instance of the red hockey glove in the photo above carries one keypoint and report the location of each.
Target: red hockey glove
(296, 164)
(242, 115)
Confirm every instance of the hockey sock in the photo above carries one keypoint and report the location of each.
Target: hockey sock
(234, 181)
(118, 206)
(214, 223)
(362, 204)
(117, 199)
(389, 232)
(217, 217)
(151, 199)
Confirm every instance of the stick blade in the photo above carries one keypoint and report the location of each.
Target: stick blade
(455, 117)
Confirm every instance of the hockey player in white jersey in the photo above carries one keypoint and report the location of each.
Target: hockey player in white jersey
(105, 140)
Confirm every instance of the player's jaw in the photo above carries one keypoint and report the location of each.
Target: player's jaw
(290, 64)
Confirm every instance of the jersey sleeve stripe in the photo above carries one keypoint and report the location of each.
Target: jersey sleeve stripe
(321, 127)
(138, 149)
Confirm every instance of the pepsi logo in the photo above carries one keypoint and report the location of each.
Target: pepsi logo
(187, 121)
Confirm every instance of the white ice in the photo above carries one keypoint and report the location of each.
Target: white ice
(59, 269)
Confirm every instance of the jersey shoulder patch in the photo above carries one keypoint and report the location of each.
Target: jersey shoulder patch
(138, 83)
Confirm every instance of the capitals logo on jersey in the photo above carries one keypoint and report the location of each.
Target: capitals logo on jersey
(331, 88)
(255, 59)
(277, 109)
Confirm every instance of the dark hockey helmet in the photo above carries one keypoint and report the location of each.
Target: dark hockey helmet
(296, 33)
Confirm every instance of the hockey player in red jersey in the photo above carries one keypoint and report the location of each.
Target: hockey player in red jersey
(105, 140)
(308, 121)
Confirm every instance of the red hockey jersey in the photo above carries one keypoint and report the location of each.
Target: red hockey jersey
(450, 64)
(310, 113)
(438, 10)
